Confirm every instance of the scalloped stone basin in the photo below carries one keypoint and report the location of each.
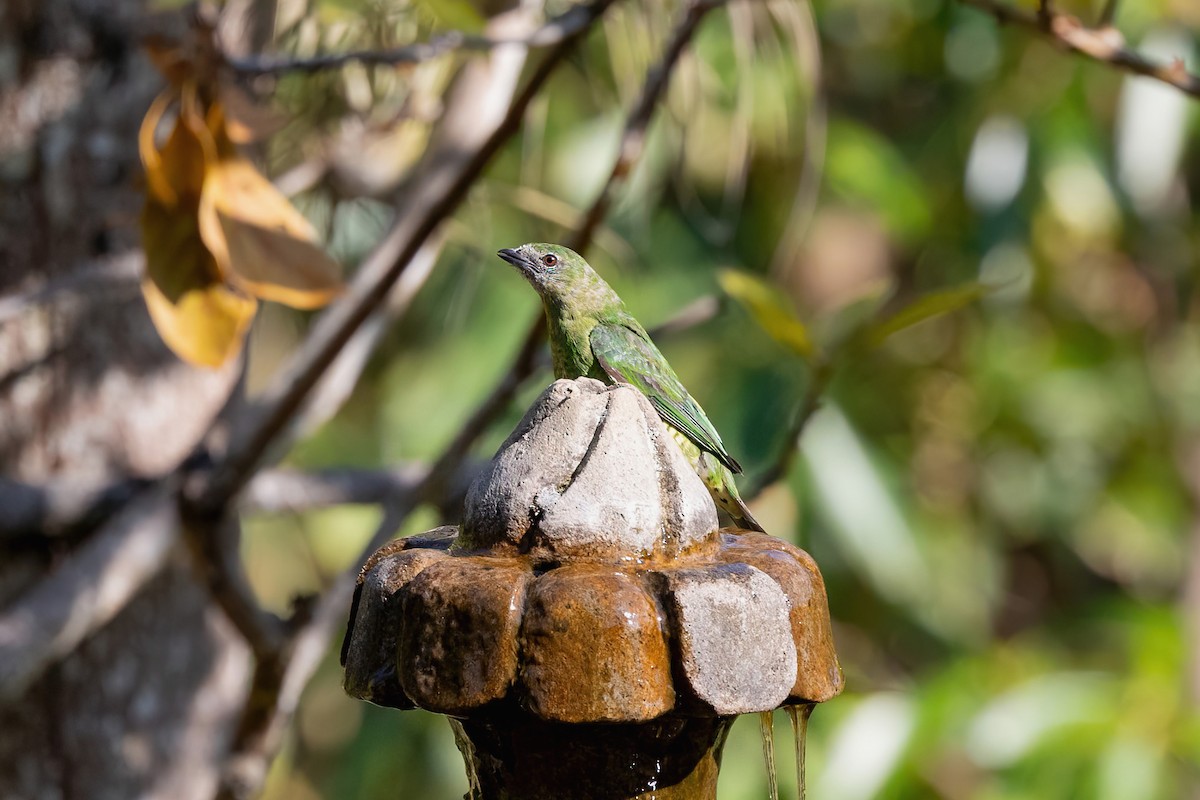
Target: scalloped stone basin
(741, 629)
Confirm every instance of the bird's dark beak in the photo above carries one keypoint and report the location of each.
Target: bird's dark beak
(513, 257)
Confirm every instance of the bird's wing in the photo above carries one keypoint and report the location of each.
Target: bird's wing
(628, 356)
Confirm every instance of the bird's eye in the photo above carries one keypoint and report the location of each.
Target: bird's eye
(549, 260)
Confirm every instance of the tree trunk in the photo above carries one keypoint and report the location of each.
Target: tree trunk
(89, 396)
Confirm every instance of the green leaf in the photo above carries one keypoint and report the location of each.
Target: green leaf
(929, 306)
(769, 310)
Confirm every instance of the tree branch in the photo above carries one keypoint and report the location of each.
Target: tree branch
(552, 33)
(1103, 45)
(88, 590)
(289, 491)
(216, 550)
(59, 508)
(633, 138)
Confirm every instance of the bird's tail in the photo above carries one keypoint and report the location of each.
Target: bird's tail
(744, 518)
(725, 493)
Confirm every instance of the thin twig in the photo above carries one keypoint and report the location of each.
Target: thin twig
(633, 139)
(88, 590)
(822, 373)
(552, 33)
(216, 547)
(1044, 12)
(279, 679)
(1103, 45)
(803, 27)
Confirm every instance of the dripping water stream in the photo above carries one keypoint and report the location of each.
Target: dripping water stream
(766, 724)
(799, 715)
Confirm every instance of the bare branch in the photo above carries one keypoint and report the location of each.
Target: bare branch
(216, 549)
(279, 680)
(1102, 45)
(284, 491)
(288, 490)
(554, 32)
(1107, 14)
(58, 508)
(88, 590)
(340, 378)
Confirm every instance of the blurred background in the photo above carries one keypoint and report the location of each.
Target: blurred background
(980, 250)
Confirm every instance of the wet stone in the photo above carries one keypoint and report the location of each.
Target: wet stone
(734, 636)
(594, 650)
(458, 645)
(374, 636)
(818, 674)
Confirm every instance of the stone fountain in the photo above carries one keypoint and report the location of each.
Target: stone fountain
(589, 631)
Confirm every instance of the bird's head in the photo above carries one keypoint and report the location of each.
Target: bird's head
(552, 269)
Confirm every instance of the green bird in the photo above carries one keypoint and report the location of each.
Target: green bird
(592, 335)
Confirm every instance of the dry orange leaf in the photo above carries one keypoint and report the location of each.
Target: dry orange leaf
(175, 174)
(148, 149)
(216, 233)
(200, 318)
(260, 241)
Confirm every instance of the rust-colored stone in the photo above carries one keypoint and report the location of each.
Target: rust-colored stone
(458, 645)
(818, 674)
(593, 648)
(376, 627)
(439, 538)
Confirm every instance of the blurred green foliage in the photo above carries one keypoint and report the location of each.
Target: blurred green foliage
(1002, 493)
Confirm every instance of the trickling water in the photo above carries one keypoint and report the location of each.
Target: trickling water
(766, 724)
(800, 715)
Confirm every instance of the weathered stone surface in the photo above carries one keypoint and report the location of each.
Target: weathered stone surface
(458, 643)
(372, 639)
(590, 472)
(734, 636)
(594, 649)
(544, 450)
(818, 674)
